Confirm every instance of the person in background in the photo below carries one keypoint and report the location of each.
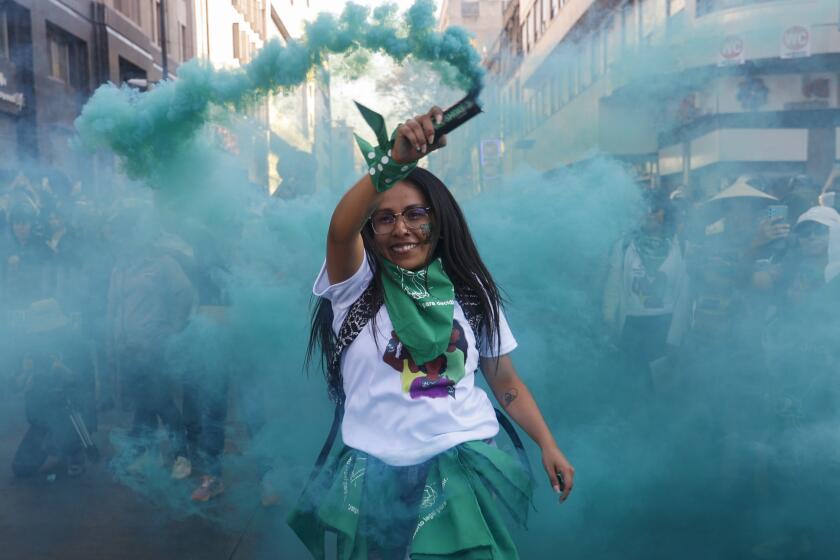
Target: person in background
(804, 270)
(646, 283)
(56, 374)
(150, 299)
(28, 272)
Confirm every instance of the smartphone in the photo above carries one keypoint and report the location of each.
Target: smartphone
(777, 212)
(828, 199)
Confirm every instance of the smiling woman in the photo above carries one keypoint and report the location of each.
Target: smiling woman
(407, 313)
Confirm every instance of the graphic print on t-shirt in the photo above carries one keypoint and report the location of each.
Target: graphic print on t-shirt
(434, 379)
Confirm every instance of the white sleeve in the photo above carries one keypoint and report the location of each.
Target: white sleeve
(507, 343)
(343, 294)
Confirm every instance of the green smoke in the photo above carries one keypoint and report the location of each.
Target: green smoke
(150, 130)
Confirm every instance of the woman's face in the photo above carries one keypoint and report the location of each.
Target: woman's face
(813, 239)
(407, 243)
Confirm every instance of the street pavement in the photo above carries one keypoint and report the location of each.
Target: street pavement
(94, 517)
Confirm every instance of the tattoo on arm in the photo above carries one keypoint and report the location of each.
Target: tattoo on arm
(509, 396)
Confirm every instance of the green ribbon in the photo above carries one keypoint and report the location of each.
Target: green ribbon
(384, 171)
(421, 305)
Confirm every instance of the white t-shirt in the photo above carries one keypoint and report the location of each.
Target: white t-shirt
(398, 412)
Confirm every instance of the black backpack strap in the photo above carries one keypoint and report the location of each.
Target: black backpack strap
(507, 426)
(328, 443)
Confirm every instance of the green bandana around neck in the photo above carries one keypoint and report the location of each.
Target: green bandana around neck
(421, 305)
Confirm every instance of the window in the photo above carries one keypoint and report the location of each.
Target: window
(555, 7)
(535, 26)
(543, 16)
(526, 43)
(67, 58)
(237, 53)
(186, 47)
(675, 7)
(470, 10)
(529, 33)
(129, 8)
(4, 35)
(156, 18)
(59, 57)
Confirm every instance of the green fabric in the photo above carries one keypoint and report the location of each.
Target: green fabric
(457, 517)
(384, 171)
(421, 305)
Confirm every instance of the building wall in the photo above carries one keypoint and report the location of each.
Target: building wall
(67, 49)
(300, 159)
(661, 82)
(481, 17)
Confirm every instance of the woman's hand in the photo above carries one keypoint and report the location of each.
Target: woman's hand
(416, 137)
(555, 462)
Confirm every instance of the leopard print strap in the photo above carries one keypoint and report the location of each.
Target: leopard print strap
(358, 316)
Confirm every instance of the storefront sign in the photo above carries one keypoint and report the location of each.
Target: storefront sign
(796, 42)
(10, 102)
(731, 51)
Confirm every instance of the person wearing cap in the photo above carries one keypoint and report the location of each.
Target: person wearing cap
(56, 374)
(804, 269)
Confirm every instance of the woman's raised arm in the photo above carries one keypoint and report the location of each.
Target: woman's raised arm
(345, 250)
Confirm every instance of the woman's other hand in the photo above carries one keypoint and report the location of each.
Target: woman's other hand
(555, 462)
(416, 137)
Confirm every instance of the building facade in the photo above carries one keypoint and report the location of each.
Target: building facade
(687, 92)
(300, 121)
(482, 18)
(53, 55)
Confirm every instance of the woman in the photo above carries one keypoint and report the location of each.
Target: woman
(417, 476)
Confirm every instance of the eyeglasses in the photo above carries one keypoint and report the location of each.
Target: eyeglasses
(383, 222)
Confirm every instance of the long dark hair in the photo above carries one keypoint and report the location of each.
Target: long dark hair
(453, 243)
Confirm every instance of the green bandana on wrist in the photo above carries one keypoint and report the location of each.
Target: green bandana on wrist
(384, 171)
(421, 305)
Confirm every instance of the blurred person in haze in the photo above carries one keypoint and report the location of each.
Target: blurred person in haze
(205, 401)
(150, 299)
(415, 424)
(646, 283)
(207, 382)
(800, 289)
(55, 372)
(804, 267)
(28, 271)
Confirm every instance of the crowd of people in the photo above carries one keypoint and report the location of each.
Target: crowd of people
(91, 292)
(93, 289)
(725, 306)
(740, 271)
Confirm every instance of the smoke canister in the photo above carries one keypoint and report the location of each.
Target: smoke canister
(458, 114)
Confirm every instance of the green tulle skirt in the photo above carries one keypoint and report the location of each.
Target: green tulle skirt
(449, 507)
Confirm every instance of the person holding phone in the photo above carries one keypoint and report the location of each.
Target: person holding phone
(419, 473)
